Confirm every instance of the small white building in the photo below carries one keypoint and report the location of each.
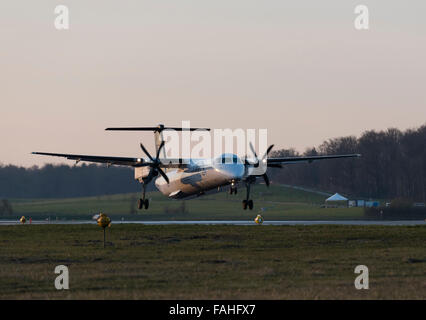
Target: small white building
(336, 200)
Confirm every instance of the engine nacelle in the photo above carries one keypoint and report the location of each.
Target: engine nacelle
(141, 172)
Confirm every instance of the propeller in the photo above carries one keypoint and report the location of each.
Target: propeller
(264, 156)
(257, 163)
(155, 164)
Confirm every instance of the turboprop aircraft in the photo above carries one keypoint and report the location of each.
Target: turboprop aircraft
(188, 178)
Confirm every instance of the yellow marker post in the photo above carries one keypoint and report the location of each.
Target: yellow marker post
(258, 219)
(103, 221)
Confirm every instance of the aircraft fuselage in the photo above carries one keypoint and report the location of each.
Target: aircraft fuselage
(202, 178)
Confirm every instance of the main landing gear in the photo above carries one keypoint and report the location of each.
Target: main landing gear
(248, 202)
(143, 203)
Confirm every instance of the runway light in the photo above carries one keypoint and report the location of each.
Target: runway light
(258, 219)
(23, 220)
(103, 221)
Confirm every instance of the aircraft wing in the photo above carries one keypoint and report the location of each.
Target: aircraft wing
(119, 161)
(279, 162)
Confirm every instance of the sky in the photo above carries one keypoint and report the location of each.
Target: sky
(297, 68)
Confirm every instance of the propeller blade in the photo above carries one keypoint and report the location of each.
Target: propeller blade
(252, 150)
(163, 174)
(267, 151)
(146, 152)
(159, 149)
(255, 155)
(265, 177)
(246, 163)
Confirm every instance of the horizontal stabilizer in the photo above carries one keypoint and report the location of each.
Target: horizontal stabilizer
(155, 129)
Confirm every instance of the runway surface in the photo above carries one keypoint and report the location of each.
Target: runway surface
(231, 222)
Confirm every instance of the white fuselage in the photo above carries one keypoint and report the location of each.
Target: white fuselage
(203, 177)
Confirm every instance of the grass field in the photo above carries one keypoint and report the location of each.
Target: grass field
(213, 262)
(279, 203)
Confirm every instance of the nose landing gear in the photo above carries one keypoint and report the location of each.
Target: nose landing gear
(233, 190)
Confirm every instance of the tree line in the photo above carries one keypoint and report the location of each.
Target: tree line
(62, 181)
(393, 165)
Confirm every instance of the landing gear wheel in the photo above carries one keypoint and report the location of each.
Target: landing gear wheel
(250, 204)
(140, 204)
(146, 204)
(245, 204)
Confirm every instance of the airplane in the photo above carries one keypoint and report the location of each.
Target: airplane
(189, 178)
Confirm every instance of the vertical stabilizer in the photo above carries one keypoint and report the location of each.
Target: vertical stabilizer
(158, 136)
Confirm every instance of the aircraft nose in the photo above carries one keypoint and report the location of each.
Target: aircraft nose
(233, 171)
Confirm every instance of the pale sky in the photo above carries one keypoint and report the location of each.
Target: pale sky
(298, 68)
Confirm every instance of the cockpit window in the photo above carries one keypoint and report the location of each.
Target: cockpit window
(228, 159)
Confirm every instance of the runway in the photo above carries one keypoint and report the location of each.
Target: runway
(230, 222)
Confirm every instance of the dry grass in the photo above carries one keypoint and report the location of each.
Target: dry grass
(212, 262)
